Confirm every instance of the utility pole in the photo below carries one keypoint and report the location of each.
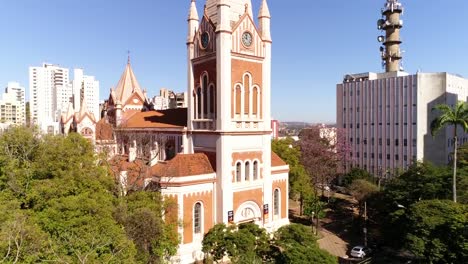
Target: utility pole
(365, 223)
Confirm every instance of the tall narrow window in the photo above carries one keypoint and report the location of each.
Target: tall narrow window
(246, 94)
(276, 201)
(238, 172)
(197, 218)
(247, 171)
(195, 101)
(255, 170)
(205, 96)
(199, 103)
(238, 99)
(255, 101)
(212, 100)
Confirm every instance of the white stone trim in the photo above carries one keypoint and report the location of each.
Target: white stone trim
(183, 179)
(279, 177)
(245, 186)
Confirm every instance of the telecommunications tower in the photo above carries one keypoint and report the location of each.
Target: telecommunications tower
(391, 24)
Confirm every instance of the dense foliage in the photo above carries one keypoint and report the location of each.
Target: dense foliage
(248, 243)
(297, 244)
(300, 182)
(58, 205)
(415, 215)
(437, 231)
(356, 174)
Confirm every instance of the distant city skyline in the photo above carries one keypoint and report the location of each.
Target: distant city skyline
(312, 51)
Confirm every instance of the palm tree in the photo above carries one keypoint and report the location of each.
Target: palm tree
(456, 116)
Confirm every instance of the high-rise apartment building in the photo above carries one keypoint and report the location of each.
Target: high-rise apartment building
(12, 105)
(387, 115)
(86, 88)
(51, 92)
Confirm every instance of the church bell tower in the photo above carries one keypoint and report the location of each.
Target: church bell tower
(229, 83)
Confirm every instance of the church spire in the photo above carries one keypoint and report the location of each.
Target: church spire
(264, 21)
(192, 22)
(193, 14)
(264, 11)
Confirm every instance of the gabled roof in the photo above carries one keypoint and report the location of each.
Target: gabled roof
(183, 165)
(68, 115)
(276, 161)
(84, 112)
(126, 86)
(171, 118)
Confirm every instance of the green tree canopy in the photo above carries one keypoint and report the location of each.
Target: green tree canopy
(297, 244)
(58, 205)
(246, 243)
(437, 231)
(355, 174)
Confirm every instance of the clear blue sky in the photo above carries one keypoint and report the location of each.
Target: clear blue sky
(314, 43)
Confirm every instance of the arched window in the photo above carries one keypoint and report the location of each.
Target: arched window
(246, 94)
(205, 96)
(255, 170)
(197, 218)
(86, 131)
(276, 202)
(255, 101)
(199, 102)
(247, 171)
(238, 99)
(238, 172)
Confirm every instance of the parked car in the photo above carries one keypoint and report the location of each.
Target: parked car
(360, 251)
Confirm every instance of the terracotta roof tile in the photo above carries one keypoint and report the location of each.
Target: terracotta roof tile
(104, 130)
(137, 171)
(276, 161)
(211, 157)
(171, 118)
(183, 165)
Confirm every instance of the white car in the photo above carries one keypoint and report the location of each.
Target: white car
(360, 251)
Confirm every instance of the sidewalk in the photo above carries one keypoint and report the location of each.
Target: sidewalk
(332, 244)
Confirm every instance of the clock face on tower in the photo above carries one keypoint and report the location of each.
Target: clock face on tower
(247, 39)
(204, 40)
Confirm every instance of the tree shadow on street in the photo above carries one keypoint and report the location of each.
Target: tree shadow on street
(342, 219)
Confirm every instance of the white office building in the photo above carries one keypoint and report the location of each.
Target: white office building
(387, 118)
(12, 105)
(86, 88)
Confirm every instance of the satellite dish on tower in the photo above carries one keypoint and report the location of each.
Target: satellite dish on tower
(380, 38)
(380, 23)
(382, 49)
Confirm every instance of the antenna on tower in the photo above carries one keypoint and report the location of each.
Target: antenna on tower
(391, 24)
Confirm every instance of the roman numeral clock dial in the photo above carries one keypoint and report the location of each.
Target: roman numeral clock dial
(247, 39)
